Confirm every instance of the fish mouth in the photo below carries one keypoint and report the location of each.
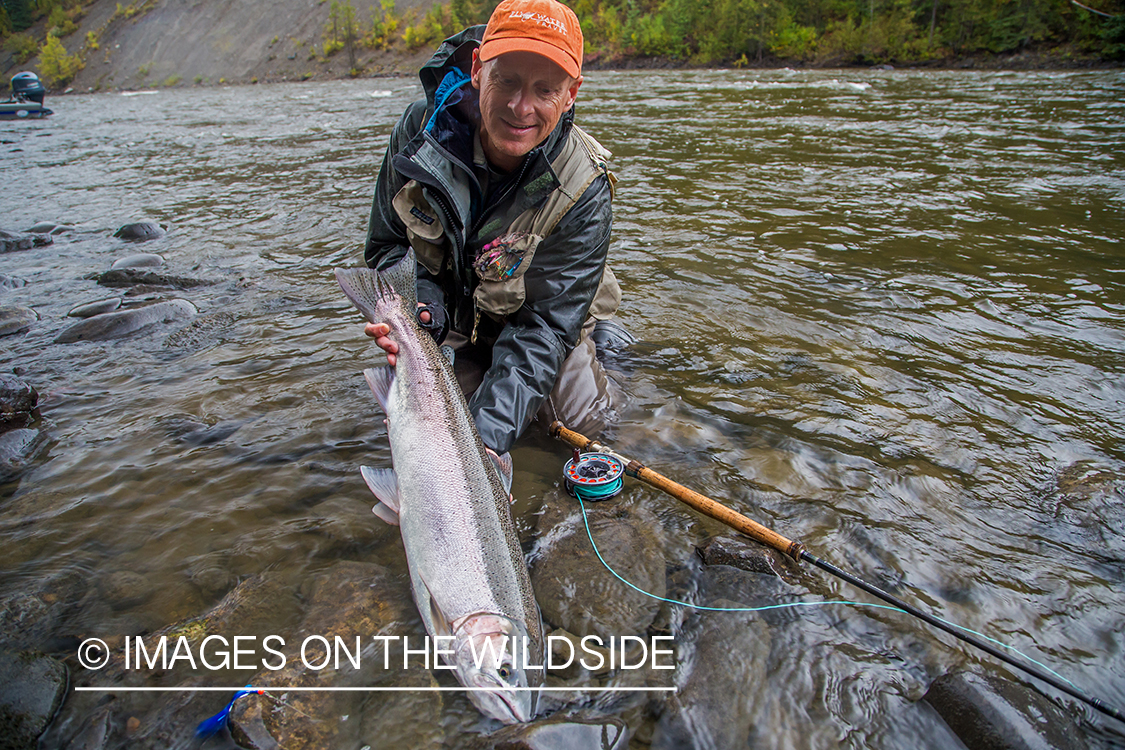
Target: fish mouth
(517, 708)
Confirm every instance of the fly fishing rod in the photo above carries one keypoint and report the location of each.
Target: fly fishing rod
(797, 551)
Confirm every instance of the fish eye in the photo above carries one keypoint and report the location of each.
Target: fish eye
(504, 672)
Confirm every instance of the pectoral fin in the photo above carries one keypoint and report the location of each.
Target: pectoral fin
(384, 483)
(503, 466)
(380, 379)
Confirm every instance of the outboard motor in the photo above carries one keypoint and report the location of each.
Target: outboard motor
(27, 86)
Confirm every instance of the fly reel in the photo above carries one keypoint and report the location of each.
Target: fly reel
(593, 476)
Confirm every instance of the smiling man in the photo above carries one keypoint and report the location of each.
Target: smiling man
(506, 203)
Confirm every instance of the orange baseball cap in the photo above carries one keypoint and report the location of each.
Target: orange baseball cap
(545, 27)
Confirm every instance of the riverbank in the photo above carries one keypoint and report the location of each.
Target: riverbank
(170, 44)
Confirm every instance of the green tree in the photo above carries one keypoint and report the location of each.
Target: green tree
(55, 66)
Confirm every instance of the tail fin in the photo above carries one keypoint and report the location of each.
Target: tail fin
(366, 287)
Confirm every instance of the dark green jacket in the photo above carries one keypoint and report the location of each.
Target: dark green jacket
(529, 344)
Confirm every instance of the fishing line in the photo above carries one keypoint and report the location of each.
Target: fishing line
(796, 550)
(618, 576)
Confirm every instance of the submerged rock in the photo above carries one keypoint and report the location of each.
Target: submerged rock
(140, 231)
(559, 733)
(11, 282)
(745, 554)
(19, 403)
(32, 688)
(1088, 501)
(16, 318)
(120, 323)
(721, 663)
(988, 713)
(201, 332)
(349, 601)
(47, 227)
(139, 277)
(17, 449)
(98, 307)
(11, 242)
(573, 588)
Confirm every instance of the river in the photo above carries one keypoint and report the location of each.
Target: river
(882, 312)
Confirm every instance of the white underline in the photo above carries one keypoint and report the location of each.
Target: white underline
(439, 689)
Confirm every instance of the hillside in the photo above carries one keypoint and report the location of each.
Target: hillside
(185, 42)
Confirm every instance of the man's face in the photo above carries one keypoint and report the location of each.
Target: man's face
(522, 97)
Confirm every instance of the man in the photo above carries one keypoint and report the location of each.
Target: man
(507, 206)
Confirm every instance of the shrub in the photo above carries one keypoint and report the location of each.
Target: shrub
(55, 65)
(22, 46)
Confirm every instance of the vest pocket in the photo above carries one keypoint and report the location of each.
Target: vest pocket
(500, 266)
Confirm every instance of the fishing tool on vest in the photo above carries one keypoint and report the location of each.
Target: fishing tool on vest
(593, 476)
(500, 259)
(797, 551)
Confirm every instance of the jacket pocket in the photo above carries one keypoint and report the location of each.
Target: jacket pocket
(424, 229)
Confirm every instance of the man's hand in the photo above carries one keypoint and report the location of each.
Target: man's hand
(381, 333)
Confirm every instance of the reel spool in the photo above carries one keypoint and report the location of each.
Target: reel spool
(593, 476)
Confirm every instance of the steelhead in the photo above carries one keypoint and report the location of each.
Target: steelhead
(449, 497)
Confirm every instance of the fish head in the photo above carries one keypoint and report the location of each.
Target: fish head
(491, 653)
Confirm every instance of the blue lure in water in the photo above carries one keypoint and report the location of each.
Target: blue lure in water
(208, 727)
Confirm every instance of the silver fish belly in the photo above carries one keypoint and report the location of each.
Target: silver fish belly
(449, 496)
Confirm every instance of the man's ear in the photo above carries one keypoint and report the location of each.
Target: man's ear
(476, 70)
(572, 92)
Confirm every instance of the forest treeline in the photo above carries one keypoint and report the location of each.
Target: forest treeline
(818, 32)
(693, 32)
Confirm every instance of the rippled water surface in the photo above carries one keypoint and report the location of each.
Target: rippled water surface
(881, 312)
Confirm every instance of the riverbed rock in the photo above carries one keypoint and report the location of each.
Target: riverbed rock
(18, 448)
(138, 260)
(113, 325)
(49, 227)
(32, 687)
(559, 733)
(350, 600)
(11, 242)
(989, 713)
(575, 591)
(11, 282)
(39, 615)
(19, 403)
(97, 307)
(140, 231)
(143, 278)
(123, 589)
(1087, 500)
(721, 662)
(16, 319)
(201, 332)
(745, 554)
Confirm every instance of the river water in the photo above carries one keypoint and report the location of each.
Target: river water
(881, 312)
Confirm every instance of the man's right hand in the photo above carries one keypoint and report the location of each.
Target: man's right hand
(381, 332)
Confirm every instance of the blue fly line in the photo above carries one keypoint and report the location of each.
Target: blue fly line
(590, 535)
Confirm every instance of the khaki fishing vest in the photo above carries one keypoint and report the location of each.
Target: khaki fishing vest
(580, 162)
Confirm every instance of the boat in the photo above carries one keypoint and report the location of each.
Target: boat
(26, 100)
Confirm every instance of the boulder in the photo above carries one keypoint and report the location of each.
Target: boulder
(19, 403)
(138, 260)
(113, 325)
(573, 588)
(989, 713)
(11, 242)
(140, 231)
(16, 319)
(32, 687)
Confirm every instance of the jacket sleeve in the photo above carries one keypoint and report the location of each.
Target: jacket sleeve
(386, 234)
(560, 286)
